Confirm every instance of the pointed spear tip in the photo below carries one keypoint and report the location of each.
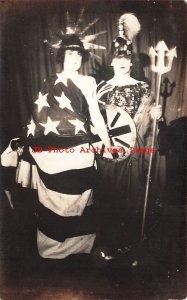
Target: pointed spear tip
(161, 45)
(174, 50)
(152, 51)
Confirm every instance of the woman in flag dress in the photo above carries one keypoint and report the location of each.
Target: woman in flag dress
(123, 182)
(57, 167)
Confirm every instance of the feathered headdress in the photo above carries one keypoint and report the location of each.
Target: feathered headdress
(128, 26)
(74, 37)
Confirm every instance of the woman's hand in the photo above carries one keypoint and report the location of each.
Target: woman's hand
(9, 158)
(114, 152)
(156, 111)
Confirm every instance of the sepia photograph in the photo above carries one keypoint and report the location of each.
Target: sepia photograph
(93, 120)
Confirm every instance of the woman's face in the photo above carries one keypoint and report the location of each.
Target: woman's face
(72, 60)
(121, 65)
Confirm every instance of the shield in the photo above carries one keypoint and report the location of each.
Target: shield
(122, 132)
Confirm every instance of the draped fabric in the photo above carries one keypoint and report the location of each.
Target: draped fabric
(65, 217)
(58, 105)
(60, 172)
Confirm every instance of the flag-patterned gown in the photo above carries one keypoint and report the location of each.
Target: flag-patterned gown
(63, 182)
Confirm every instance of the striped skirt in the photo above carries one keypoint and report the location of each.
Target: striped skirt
(63, 183)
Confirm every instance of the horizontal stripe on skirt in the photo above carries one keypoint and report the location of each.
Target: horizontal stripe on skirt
(49, 248)
(55, 162)
(57, 237)
(59, 228)
(58, 141)
(71, 182)
(52, 224)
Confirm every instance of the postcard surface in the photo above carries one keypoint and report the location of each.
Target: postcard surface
(93, 149)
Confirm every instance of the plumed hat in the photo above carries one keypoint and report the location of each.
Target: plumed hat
(128, 26)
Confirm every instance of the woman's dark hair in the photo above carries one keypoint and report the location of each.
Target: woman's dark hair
(71, 42)
(110, 57)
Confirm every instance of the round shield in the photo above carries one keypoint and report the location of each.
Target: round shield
(122, 132)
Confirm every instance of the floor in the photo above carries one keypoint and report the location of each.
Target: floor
(154, 270)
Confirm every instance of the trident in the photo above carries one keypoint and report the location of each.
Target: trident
(161, 62)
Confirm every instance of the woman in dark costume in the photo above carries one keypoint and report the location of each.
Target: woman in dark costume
(124, 181)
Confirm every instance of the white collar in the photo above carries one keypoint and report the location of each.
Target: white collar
(63, 76)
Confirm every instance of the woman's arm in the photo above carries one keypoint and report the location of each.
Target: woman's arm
(96, 117)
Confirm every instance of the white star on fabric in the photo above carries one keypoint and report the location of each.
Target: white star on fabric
(78, 125)
(42, 101)
(64, 101)
(31, 128)
(50, 126)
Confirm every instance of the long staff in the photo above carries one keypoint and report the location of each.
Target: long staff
(158, 56)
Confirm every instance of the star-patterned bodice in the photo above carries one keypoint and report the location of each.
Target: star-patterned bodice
(60, 110)
(127, 97)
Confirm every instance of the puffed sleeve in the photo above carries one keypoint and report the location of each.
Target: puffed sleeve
(95, 114)
(143, 118)
(88, 87)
